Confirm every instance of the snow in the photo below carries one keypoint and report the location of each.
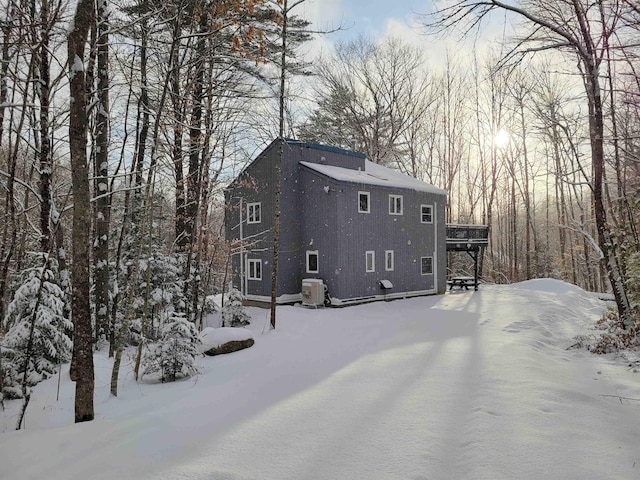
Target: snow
(214, 337)
(374, 174)
(467, 385)
(77, 66)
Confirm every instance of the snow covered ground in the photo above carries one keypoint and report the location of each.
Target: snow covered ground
(468, 385)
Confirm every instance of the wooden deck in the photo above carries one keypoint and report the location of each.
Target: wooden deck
(464, 238)
(470, 239)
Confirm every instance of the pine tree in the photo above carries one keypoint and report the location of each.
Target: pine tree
(37, 337)
(233, 313)
(175, 355)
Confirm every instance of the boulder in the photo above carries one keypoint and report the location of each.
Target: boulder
(230, 347)
(217, 341)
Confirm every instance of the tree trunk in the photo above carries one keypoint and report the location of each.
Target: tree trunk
(46, 164)
(277, 174)
(607, 244)
(4, 67)
(101, 180)
(78, 127)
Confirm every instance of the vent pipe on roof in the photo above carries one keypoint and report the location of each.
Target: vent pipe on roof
(323, 160)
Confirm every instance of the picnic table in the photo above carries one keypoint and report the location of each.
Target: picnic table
(462, 282)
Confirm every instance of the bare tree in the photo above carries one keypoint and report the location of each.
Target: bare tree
(78, 127)
(579, 28)
(372, 98)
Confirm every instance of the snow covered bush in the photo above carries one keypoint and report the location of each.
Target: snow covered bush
(233, 312)
(614, 336)
(37, 334)
(174, 356)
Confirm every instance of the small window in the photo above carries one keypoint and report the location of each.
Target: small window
(426, 265)
(254, 268)
(363, 202)
(389, 260)
(312, 261)
(254, 213)
(371, 261)
(426, 213)
(395, 204)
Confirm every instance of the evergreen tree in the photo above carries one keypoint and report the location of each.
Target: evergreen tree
(38, 335)
(233, 313)
(175, 355)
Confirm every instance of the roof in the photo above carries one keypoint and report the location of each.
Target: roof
(374, 174)
(326, 148)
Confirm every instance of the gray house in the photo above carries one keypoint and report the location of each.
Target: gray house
(367, 231)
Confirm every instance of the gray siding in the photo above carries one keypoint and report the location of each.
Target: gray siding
(342, 235)
(320, 213)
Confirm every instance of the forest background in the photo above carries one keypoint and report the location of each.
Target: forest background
(122, 122)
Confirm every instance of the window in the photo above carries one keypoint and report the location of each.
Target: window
(371, 261)
(426, 265)
(254, 268)
(253, 212)
(388, 260)
(395, 204)
(426, 213)
(312, 261)
(363, 202)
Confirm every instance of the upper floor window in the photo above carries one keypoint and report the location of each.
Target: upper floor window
(395, 204)
(254, 212)
(426, 213)
(312, 261)
(426, 265)
(364, 204)
(254, 269)
(370, 257)
(388, 260)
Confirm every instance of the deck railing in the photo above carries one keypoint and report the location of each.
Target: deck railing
(477, 235)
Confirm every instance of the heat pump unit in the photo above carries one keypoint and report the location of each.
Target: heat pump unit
(312, 292)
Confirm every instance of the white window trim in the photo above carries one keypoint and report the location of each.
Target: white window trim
(313, 252)
(421, 213)
(395, 197)
(368, 195)
(421, 272)
(255, 261)
(253, 206)
(388, 254)
(373, 261)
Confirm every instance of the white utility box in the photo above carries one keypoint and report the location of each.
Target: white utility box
(312, 292)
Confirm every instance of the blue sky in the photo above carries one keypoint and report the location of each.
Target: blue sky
(378, 19)
(375, 19)
(371, 17)
(366, 17)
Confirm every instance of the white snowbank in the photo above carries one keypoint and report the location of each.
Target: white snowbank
(550, 285)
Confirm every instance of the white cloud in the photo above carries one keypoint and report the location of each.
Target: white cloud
(405, 29)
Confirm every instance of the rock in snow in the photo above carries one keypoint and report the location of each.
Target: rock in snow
(218, 341)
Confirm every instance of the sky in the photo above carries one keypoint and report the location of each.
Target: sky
(468, 385)
(380, 19)
(373, 18)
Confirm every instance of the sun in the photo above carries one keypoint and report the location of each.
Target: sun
(501, 138)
